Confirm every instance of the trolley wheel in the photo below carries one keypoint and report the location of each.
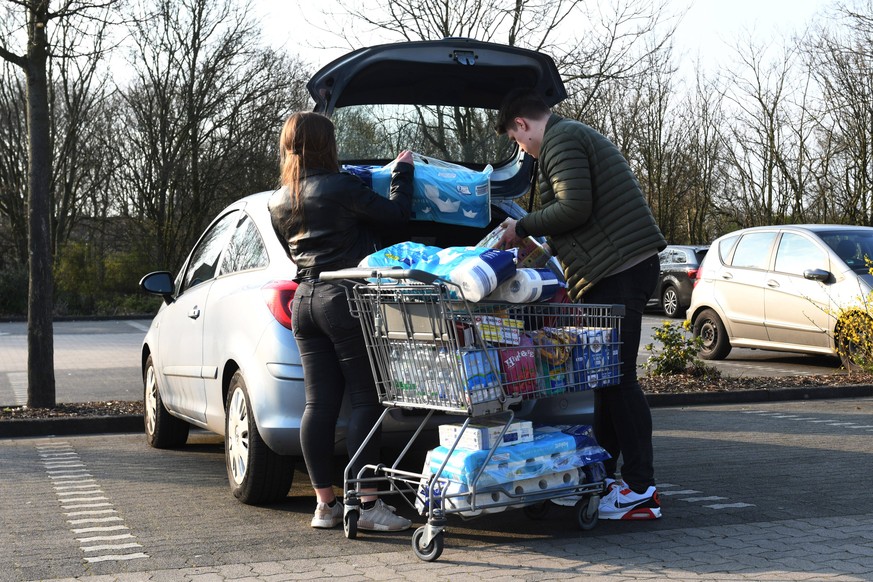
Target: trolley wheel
(538, 510)
(431, 551)
(587, 511)
(350, 524)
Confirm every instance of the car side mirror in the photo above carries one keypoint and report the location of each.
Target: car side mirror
(819, 275)
(158, 283)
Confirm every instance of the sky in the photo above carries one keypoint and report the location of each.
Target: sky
(708, 28)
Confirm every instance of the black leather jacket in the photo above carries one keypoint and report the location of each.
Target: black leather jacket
(341, 220)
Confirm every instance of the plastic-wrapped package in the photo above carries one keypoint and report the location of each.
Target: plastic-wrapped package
(442, 191)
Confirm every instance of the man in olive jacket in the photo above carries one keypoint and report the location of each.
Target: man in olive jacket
(596, 220)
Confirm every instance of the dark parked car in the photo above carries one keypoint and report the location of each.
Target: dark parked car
(679, 264)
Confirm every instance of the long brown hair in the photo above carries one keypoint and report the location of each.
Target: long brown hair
(307, 141)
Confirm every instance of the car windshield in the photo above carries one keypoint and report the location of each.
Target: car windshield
(854, 247)
(376, 133)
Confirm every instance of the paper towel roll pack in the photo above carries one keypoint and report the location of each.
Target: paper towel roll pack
(476, 271)
(528, 286)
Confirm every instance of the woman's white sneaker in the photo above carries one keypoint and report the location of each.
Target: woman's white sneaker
(380, 517)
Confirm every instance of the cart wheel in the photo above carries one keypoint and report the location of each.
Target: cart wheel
(431, 551)
(538, 510)
(350, 524)
(587, 511)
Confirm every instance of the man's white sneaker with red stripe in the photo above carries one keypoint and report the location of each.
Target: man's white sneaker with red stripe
(625, 503)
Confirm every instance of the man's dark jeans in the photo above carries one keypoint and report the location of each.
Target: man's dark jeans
(622, 419)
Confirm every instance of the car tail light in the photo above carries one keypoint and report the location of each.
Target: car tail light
(697, 274)
(692, 274)
(278, 295)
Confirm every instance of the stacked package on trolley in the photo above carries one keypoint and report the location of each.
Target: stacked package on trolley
(551, 360)
(552, 463)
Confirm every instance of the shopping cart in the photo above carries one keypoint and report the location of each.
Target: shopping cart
(432, 350)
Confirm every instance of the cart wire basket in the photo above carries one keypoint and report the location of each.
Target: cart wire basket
(431, 349)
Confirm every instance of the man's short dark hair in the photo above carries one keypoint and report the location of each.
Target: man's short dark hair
(520, 103)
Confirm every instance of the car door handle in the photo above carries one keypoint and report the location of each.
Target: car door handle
(772, 284)
(727, 276)
(194, 313)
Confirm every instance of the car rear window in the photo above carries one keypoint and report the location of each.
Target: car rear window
(724, 248)
(376, 133)
(753, 250)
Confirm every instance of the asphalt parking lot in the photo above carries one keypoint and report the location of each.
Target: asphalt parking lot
(766, 491)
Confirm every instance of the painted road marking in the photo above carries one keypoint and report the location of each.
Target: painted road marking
(80, 496)
(18, 383)
(729, 505)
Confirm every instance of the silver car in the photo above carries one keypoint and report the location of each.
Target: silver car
(785, 288)
(220, 354)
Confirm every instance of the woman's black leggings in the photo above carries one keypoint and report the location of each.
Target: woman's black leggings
(334, 363)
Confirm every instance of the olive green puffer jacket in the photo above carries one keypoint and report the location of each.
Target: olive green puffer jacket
(593, 210)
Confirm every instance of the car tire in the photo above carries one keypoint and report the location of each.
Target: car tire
(854, 341)
(162, 429)
(670, 302)
(257, 475)
(709, 326)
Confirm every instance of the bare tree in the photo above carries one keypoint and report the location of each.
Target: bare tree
(841, 61)
(27, 21)
(13, 164)
(200, 118)
(759, 93)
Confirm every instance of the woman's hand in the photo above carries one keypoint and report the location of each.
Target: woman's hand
(405, 156)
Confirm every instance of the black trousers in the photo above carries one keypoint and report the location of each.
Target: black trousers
(622, 419)
(334, 362)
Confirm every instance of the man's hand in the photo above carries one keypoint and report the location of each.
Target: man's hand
(508, 239)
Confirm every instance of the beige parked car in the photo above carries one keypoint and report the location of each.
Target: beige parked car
(784, 288)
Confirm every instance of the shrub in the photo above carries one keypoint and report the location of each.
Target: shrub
(13, 290)
(677, 353)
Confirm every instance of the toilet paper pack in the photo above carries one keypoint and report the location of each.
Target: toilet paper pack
(550, 451)
(530, 253)
(595, 355)
(518, 367)
(441, 191)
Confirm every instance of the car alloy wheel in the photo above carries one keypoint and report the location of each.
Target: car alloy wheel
(670, 302)
(256, 474)
(162, 429)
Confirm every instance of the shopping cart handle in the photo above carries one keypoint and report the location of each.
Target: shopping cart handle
(371, 273)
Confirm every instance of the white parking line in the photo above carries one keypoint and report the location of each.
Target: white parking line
(680, 492)
(729, 505)
(116, 557)
(18, 383)
(138, 325)
(63, 465)
(699, 499)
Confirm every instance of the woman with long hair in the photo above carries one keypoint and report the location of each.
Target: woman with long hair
(330, 220)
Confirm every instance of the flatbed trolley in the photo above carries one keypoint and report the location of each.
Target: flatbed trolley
(432, 350)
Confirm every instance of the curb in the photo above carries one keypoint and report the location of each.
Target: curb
(762, 395)
(133, 423)
(71, 426)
